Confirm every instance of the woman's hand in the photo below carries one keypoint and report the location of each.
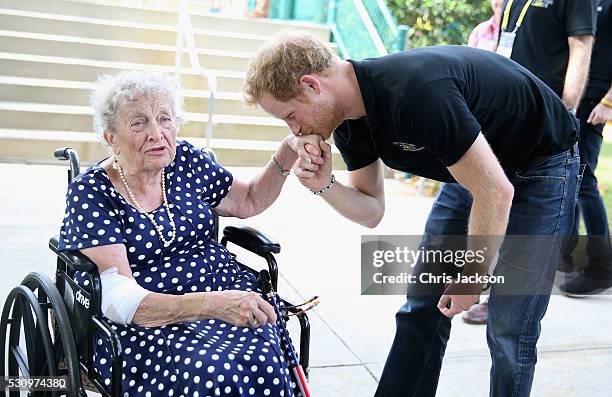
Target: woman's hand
(315, 176)
(306, 147)
(241, 308)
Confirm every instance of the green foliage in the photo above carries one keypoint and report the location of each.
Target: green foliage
(436, 22)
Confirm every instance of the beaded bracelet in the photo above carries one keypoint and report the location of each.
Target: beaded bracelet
(326, 188)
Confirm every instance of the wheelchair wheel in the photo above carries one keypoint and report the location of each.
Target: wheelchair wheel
(36, 344)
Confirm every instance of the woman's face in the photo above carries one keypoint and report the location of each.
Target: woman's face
(145, 139)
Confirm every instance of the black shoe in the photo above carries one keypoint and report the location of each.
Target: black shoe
(581, 285)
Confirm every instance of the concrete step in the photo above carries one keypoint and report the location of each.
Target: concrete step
(82, 69)
(158, 14)
(37, 116)
(106, 29)
(114, 50)
(51, 52)
(62, 92)
(36, 146)
(228, 7)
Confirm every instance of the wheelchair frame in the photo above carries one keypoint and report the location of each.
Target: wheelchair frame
(60, 319)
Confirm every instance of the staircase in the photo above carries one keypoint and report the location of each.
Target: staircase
(52, 51)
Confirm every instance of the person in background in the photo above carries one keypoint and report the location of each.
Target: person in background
(594, 111)
(215, 6)
(553, 39)
(262, 9)
(486, 34)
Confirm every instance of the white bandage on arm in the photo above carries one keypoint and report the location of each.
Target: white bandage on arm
(121, 296)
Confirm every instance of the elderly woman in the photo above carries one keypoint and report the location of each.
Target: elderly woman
(190, 320)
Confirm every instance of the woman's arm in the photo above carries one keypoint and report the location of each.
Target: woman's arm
(241, 308)
(236, 307)
(246, 199)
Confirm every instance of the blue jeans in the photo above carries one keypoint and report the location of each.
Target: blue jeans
(543, 204)
(590, 205)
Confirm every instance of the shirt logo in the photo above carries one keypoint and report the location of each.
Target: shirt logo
(408, 147)
(543, 3)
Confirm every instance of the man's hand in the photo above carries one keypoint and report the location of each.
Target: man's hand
(461, 297)
(306, 147)
(314, 175)
(600, 114)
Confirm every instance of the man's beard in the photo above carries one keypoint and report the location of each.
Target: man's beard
(328, 117)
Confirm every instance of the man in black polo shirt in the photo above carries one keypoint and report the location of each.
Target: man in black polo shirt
(500, 137)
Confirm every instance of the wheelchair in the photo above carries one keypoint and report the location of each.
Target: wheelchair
(47, 328)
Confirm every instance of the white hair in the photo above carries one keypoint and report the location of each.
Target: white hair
(113, 91)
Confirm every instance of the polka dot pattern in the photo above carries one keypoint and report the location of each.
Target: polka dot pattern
(201, 358)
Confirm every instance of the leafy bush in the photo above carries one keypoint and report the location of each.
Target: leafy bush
(436, 22)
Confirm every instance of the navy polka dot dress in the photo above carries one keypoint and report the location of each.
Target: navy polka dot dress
(201, 358)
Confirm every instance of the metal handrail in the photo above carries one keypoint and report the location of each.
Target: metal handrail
(185, 31)
(388, 17)
(331, 22)
(372, 31)
(378, 42)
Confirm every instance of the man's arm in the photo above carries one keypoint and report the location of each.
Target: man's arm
(362, 200)
(479, 171)
(577, 69)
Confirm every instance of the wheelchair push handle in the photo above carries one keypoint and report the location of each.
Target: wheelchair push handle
(70, 154)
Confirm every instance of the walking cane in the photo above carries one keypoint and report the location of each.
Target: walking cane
(286, 343)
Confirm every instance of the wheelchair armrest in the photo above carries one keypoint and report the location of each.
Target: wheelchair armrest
(251, 239)
(74, 259)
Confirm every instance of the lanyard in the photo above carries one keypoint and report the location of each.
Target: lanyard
(520, 18)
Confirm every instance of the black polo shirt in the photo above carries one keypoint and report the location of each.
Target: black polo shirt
(541, 41)
(425, 107)
(600, 75)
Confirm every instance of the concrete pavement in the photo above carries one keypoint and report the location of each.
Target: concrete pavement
(351, 333)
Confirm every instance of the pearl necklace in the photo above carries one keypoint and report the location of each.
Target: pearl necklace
(151, 217)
